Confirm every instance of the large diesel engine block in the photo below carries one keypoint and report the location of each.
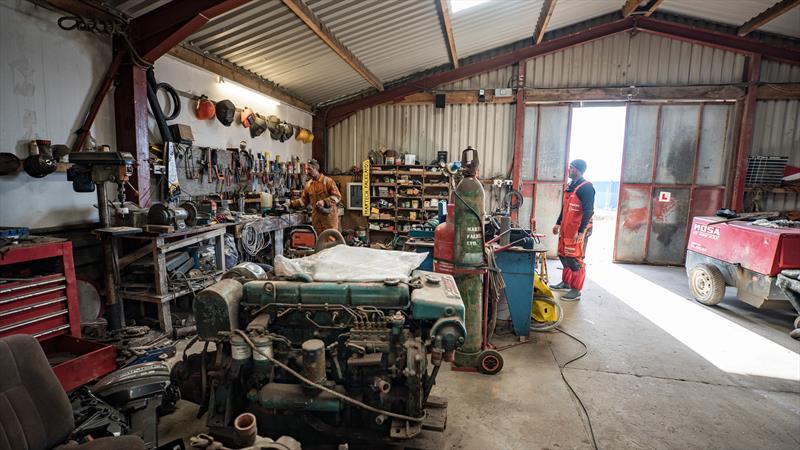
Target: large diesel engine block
(319, 357)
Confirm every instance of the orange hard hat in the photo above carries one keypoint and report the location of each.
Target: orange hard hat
(205, 109)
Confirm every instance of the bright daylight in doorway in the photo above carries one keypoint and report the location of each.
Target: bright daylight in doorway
(596, 136)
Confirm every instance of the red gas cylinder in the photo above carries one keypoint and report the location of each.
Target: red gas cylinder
(443, 246)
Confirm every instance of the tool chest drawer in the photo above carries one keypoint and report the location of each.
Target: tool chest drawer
(36, 306)
(38, 295)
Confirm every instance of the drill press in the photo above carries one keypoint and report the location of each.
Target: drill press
(92, 170)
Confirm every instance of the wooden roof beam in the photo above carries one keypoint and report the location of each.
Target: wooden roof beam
(629, 7)
(768, 15)
(447, 30)
(307, 16)
(544, 19)
(651, 8)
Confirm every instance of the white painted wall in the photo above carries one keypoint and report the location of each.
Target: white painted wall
(211, 133)
(47, 80)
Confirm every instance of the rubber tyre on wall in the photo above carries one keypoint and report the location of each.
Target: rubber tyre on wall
(490, 362)
(707, 284)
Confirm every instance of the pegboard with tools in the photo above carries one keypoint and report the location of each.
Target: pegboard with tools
(232, 171)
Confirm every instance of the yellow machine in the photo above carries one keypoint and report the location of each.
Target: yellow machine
(546, 311)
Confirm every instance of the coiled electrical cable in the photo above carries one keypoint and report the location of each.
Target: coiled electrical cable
(253, 242)
(173, 95)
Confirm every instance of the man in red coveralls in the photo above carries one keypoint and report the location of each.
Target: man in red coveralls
(573, 227)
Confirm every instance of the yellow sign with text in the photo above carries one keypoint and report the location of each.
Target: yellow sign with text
(365, 187)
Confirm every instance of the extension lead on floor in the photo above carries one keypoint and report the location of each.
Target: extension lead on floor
(561, 370)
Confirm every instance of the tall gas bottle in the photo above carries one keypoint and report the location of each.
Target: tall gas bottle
(468, 255)
(469, 212)
(443, 243)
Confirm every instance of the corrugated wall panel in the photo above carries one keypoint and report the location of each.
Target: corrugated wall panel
(778, 72)
(640, 59)
(776, 131)
(789, 201)
(423, 130)
(500, 78)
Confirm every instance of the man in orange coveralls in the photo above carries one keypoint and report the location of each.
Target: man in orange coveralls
(323, 195)
(573, 227)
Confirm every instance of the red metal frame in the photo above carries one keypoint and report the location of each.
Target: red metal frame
(61, 249)
(130, 111)
(716, 39)
(533, 184)
(340, 112)
(645, 24)
(156, 32)
(320, 142)
(746, 131)
(519, 126)
(102, 91)
(91, 360)
(653, 185)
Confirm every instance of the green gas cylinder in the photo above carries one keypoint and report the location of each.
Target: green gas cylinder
(469, 256)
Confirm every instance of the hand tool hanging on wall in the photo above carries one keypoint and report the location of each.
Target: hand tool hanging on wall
(203, 162)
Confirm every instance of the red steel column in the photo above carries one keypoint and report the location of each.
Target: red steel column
(519, 135)
(130, 110)
(319, 144)
(746, 131)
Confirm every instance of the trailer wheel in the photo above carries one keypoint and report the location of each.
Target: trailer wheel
(707, 284)
(490, 362)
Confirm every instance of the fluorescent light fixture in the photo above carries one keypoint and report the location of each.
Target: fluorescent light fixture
(236, 89)
(461, 5)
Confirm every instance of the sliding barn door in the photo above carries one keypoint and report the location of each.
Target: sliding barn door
(544, 168)
(673, 168)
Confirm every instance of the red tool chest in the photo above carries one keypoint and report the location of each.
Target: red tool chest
(41, 305)
(760, 249)
(38, 296)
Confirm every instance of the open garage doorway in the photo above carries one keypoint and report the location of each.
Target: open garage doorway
(597, 135)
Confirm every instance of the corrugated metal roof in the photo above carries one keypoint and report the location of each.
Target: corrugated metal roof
(266, 38)
(500, 78)
(736, 12)
(395, 39)
(493, 24)
(640, 59)
(568, 12)
(135, 8)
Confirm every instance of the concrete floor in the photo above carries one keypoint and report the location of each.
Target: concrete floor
(642, 387)
(678, 376)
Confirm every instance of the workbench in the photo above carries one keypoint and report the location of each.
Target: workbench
(270, 224)
(157, 246)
